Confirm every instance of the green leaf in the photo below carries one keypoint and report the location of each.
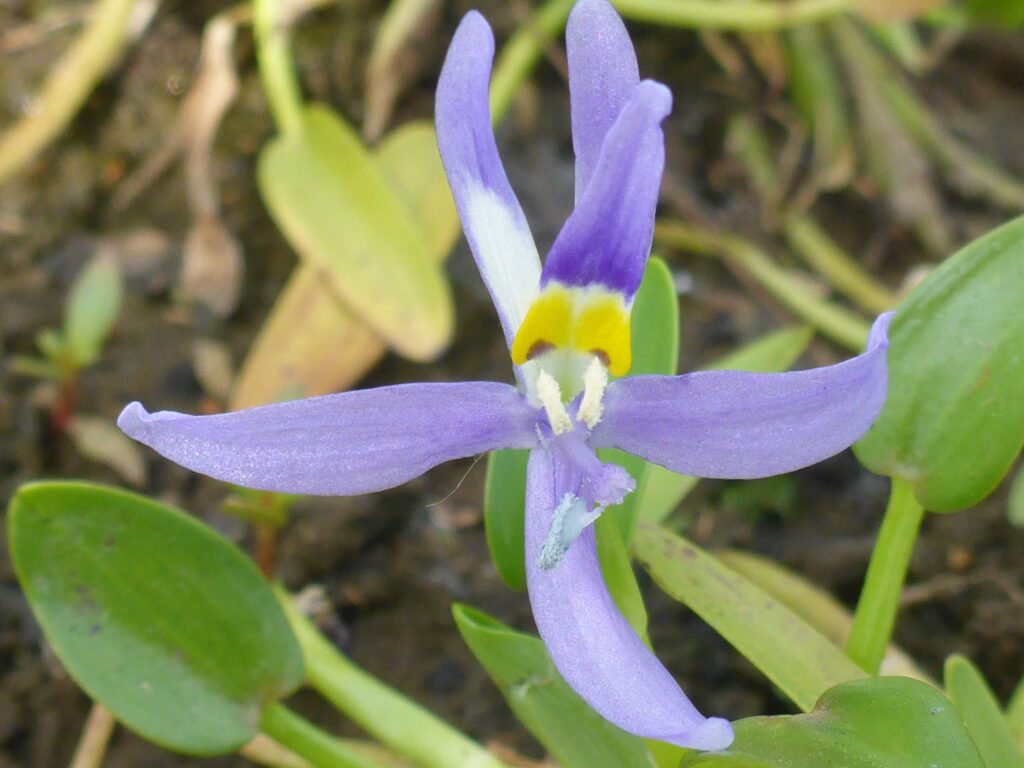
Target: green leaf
(662, 489)
(504, 514)
(654, 323)
(772, 353)
(35, 367)
(812, 604)
(791, 653)
(571, 731)
(92, 308)
(617, 569)
(156, 616)
(338, 211)
(654, 335)
(982, 715)
(882, 722)
(953, 422)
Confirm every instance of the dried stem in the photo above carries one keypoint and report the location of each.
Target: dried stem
(92, 745)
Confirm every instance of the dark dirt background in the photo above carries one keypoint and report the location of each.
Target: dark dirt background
(393, 563)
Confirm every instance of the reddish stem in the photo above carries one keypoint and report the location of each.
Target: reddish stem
(64, 409)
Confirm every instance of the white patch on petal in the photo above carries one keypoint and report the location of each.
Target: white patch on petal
(506, 255)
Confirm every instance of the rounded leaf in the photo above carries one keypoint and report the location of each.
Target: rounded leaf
(953, 421)
(155, 615)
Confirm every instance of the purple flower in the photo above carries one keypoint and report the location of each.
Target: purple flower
(567, 327)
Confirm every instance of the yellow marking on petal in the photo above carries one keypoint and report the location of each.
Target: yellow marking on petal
(591, 320)
(547, 325)
(602, 329)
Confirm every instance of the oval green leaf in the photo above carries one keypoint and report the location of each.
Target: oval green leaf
(156, 616)
(338, 211)
(881, 722)
(542, 701)
(953, 421)
(787, 650)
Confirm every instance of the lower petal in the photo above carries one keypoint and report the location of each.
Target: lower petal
(341, 445)
(590, 642)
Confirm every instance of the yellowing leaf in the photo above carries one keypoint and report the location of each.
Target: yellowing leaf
(338, 211)
(334, 349)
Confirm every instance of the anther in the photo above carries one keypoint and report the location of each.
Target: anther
(595, 381)
(550, 395)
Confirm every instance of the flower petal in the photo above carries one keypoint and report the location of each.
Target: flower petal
(591, 644)
(345, 444)
(734, 424)
(602, 75)
(607, 238)
(491, 216)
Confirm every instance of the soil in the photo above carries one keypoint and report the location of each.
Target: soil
(393, 563)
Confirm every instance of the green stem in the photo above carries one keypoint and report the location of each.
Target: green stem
(381, 711)
(520, 54)
(71, 80)
(839, 324)
(879, 600)
(744, 15)
(309, 742)
(277, 71)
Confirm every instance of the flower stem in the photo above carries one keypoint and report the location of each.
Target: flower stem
(70, 81)
(309, 742)
(277, 70)
(381, 711)
(879, 600)
(735, 15)
(519, 55)
(839, 324)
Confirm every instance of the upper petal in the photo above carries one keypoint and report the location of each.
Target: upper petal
(591, 644)
(491, 216)
(344, 444)
(607, 239)
(735, 424)
(602, 75)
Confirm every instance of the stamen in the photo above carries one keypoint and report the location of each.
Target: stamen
(595, 381)
(550, 395)
(571, 518)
